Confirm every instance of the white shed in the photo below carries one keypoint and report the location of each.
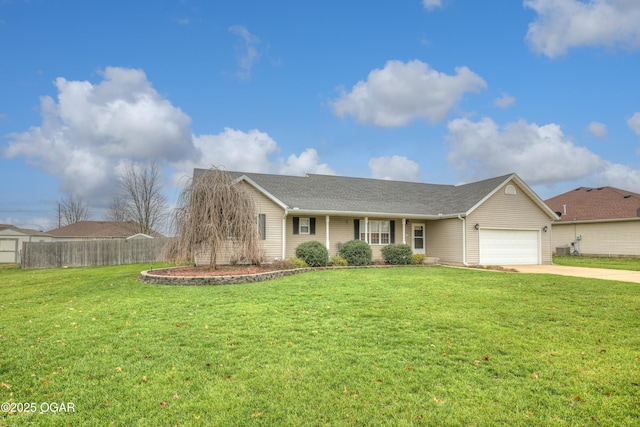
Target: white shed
(11, 239)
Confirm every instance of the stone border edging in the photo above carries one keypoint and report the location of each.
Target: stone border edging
(147, 276)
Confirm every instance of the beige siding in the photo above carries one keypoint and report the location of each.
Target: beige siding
(506, 211)
(444, 240)
(293, 240)
(272, 245)
(604, 239)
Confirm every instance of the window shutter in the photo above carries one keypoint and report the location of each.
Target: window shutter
(262, 226)
(296, 225)
(312, 226)
(356, 229)
(392, 231)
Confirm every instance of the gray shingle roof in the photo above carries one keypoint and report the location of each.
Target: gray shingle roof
(346, 194)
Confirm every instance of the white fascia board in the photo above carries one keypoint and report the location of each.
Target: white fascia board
(261, 189)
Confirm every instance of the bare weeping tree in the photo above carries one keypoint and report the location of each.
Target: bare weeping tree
(71, 209)
(216, 217)
(140, 198)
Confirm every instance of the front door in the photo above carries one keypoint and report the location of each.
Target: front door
(418, 238)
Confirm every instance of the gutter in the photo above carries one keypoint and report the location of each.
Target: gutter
(360, 214)
(464, 240)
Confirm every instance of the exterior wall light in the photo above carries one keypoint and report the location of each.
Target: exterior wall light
(545, 228)
(477, 226)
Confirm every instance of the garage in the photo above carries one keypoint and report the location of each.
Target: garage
(509, 247)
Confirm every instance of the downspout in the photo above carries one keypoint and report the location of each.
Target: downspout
(464, 240)
(284, 234)
(327, 240)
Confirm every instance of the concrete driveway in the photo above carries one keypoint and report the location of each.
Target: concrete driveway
(593, 273)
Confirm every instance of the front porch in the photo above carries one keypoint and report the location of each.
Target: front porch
(333, 231)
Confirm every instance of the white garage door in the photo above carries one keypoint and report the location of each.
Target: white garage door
(509, 247)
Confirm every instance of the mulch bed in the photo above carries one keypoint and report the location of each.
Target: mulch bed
(205, 270)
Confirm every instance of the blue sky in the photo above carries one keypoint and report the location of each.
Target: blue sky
(439, 91)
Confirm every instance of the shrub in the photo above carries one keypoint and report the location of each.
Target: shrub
(356, 252)
(338, 261)
(314, 253)
(283, 264)
(397, 254)
(298, 263)
(418, 258)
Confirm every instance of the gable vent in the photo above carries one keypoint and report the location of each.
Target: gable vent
(510, 190)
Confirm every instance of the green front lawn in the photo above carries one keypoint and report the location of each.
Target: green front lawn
(403, 346)
(598, 262)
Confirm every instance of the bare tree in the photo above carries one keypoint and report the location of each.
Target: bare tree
(71, 209)
(141, 197)
(215, 216)
(118, 210)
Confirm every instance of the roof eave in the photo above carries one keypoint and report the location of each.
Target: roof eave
(262, 190)
(595, 221)
(362, 214)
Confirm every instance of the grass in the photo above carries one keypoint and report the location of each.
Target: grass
(402, 347)
(599, 262)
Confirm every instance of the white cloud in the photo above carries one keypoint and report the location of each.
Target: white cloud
(597, 129)
(564, 24)
(397, 168)
(307, 162)
(620, 176)
(634, 123)
(92, 126)
(250, 151)
(431, 4)
(505, 101)
(539, 154)
(231, 149)
(248, 54)
(402, 92)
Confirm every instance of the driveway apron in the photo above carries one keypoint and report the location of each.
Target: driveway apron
(592, 273)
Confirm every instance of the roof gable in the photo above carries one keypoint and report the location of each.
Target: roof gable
(592, 204)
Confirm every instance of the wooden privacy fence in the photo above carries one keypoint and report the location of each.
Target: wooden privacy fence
(88, 253)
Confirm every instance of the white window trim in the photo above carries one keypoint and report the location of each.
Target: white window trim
(308, 225)
(365, 230)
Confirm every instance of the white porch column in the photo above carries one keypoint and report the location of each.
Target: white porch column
(328, 241)
(366, 229)
(404, 231)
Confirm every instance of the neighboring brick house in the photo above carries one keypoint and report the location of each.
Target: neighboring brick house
(494, 221)
(603, 221)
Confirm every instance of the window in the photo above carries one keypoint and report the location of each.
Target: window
(262, 226)
(379, 232)
(304, 226)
